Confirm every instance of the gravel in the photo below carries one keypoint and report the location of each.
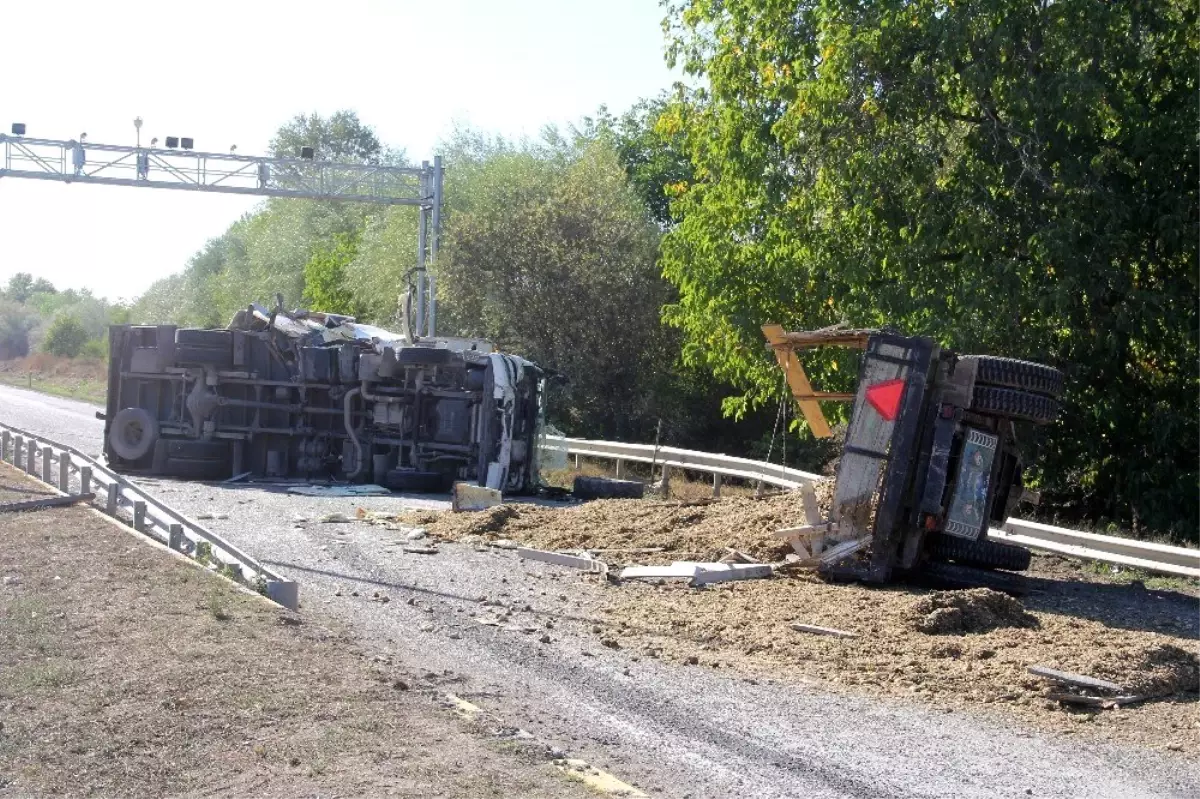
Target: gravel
(670, 729)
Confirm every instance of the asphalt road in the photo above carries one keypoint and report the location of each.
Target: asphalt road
(673, 731)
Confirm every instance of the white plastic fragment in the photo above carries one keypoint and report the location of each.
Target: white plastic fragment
(560, 559)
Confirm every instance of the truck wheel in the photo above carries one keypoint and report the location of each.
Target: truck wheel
(133, 433)
(204, 347)
(1036, 408)
(1011, 373)
(980, 554)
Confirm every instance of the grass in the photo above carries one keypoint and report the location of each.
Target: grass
(1126, 574)
(86, 389)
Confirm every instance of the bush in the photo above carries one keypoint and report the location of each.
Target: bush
(66, 337)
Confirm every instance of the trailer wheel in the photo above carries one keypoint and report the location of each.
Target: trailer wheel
(1012, 373)
(133, 433)
(980, 554)
(1036, 408)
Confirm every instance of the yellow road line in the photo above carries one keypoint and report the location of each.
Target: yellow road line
(598, 779)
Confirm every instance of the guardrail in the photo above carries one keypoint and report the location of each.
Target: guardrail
(1161, 558)
(64, 468)
(673, 457)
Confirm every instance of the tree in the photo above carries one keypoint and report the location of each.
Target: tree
(338, 137)
(325, 287)
(66, 337)
(550, 253)
(1008, 176)
(19, 287)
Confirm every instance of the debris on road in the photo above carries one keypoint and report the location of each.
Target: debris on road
(335, 518)
(415, 534)
(1105, 703)
(815, 630)
(1076, 680)
(340, 491)
(724, 572)
(210, 515)
(686, 570)
(419, 550)
(700, 573)
(472, 497)
(736, 556)
(48, 502)
(977, 610)
(237, 478)
(560, 559)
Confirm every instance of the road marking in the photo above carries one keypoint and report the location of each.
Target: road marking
(575, 769)
(598, 779)
(462, 707)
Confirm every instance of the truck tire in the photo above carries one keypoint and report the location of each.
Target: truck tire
(133, 433)
(195, 347)
(1011, 373)
(980, 554)
(605, 488)
(1036, 408)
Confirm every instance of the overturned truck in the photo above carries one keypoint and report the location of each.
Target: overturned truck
(320, 396)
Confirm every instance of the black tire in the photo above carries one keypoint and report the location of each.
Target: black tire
(1036, 408)
(980, 554)
(132, 433)
(204, 347)
(606, 488)
(422, 356)
(1011, 373)
(416, 481)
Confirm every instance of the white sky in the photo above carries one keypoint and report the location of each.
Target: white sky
(232, 72)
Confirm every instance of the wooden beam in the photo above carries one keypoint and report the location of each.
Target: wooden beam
(798, 382)
(815, 630)
(1078, 680)
(49, 502)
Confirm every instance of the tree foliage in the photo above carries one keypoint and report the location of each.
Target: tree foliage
(342, 136)
(549, 252)
(66, 337)
(325, 286)
(1009, 176)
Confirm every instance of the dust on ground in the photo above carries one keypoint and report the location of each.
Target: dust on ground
(127, 672)
(959, 650)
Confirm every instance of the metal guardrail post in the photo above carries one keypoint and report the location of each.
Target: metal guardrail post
(64, 472)
(18, 451)
(175, 537)
(5, 439)
(716, 484)
(85, 480)
(139, 516)
(47, 468)
(620, 468)
(113, 499)
(31, 458)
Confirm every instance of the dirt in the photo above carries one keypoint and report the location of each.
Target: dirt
(701, 530)
(978, 610)
(128, 672)
(964, 650)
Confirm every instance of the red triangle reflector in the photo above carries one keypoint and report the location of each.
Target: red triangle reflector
(885, 397)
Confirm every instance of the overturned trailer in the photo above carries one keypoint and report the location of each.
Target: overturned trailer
(320, 396)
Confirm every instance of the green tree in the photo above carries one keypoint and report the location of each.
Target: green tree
(550, 254)
(342, 136)
(66, 337)
(1008, 176)
(325, 287)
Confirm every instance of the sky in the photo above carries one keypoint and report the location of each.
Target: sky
(228, 73)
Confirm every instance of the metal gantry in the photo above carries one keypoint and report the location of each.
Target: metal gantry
(78, 161)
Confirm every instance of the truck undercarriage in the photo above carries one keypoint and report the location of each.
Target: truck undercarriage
(319, 396)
